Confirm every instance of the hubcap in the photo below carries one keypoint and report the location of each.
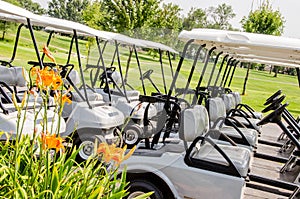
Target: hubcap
(87, 150)
(131, 137)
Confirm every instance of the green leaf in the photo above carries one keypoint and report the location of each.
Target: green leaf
(144, 196)
(55, 180)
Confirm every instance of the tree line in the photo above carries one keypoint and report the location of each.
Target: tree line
(154, 19)
(128, 15)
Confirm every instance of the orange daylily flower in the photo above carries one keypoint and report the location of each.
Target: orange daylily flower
(52, 142)
(62, 99)
(46, 78)
(112, 153)
(48, 53)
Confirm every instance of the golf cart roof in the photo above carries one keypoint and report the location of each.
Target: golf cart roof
(248, 45)
(270, 62)
(18, 14)
(12, 18)
(104, 35)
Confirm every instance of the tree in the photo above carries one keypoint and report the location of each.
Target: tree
(220, 17)
(164, 26)
(264, 20)
(167, 17)
(69, 9)
(93, 15)
(125, 15)
(28, 5)
(196, 18)
(144, 19)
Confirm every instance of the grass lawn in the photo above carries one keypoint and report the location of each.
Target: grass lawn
(260, 85)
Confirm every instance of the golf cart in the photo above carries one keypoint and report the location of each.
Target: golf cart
(88, 116)
(11, 79)
(139, 123)
(200, 174)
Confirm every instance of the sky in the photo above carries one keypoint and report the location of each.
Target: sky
(290, 10)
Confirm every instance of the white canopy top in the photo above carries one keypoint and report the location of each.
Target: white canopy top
(20, 15)
(241, 44)
(12, 18)
(262, 61)
(14, 13)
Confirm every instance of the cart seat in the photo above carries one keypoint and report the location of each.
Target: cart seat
(92, 96)
(217, 110)
(233, 101)
(13, 76)
(116, 96)
(194, 123)
(239, 156)
(250, 134)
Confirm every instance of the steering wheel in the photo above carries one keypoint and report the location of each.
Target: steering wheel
(272, 97)
(275, 104)
(109, 72)
(66, 69)
(5, 63)
(146, 74)
(35, 63)
(112, 68)
(272, 116)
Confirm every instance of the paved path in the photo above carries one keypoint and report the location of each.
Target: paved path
(270, 169)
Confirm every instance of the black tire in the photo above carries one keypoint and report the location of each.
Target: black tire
(138, 187)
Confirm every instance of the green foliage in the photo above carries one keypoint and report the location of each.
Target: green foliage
(93, 15)
(167, 17)
(213, 17)
(196, 18)
(264, 20)
(220, 17)
(69, 10)
(27, 173)
(28, 5)
(34, 162)
(125, 15)
(261, 67)
(163, 27)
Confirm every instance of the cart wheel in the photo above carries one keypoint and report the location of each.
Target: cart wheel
(131, 136)
(139, 187)
(87, 144)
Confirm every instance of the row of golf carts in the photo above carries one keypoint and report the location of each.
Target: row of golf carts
(193, 140)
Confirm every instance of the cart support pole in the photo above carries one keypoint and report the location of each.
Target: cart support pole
(16, 43)
(34, 43)
(246, 79)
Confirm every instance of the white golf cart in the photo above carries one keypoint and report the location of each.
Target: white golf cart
(204, 169)
(11, 79)
(88, 115)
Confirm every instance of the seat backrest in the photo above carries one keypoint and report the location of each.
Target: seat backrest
(229, 101)
(92, 96)
(74, 77)
(13, 76)
(237, 96)
(193, 122)
(216, 108)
